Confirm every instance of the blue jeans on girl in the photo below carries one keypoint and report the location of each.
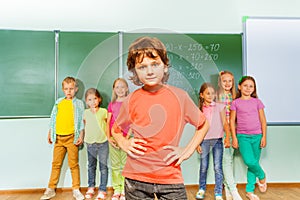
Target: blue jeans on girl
(217, 150)
(98, 152)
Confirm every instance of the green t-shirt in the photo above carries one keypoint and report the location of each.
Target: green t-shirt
(95, 126)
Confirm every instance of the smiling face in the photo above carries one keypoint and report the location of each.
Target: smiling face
(150, 72)
(120, 89)
(246, 88)
(69, 89)
(227, 82)
(208, 95)
(92, 101)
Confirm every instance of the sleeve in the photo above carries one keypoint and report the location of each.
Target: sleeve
(233, 105)
(192, 113)
(81, 113)
(221, 107)
(260, 104)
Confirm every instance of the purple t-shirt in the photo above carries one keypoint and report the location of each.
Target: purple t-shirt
(114, 109)
(247, 114)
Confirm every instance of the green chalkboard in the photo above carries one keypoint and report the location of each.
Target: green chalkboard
(27, 73)
(92, 58)
(195, 58)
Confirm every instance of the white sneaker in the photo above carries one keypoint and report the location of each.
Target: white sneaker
(48, 194)
(219, 198)
(77, 194)
(236, 195)
(228, 194)
(200, 194)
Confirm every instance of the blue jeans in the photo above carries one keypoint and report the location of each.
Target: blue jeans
(98, 151)
(137, 190)
(217, 150)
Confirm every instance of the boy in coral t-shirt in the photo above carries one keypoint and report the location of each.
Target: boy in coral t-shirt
(157, 114)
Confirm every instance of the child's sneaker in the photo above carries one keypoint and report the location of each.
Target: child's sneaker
(236, 195)
(90, 193)
(101, 195)
(200, 194)
(218, 197)
(115, 196)
(77, 194)
(48, 194)
(122, 197)
(228, 194)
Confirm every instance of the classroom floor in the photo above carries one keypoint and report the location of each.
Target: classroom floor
(275, 192)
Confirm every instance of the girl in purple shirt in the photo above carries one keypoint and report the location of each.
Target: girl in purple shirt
(248, 128)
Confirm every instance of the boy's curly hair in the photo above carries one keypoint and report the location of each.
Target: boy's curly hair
(146, 47)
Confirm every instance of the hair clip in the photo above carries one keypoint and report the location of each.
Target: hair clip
(242, 78)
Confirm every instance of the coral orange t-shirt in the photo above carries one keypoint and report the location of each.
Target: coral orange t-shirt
(159, 118)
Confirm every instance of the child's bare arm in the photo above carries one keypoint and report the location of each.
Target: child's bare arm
(263, 122)
(49, 137)
(226, 129)
(232, 128)
(181, 154)
(80, 138)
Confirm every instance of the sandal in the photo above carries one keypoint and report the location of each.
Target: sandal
(90, 193)
(262, 186)
(252, 196)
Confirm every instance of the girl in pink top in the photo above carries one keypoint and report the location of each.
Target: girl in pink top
(117, 155)
(248, 128)
(215, 115)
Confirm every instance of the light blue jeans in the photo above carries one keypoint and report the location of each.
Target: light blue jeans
(250, 150)
(228, 170)
(98, 152)
(217, 151)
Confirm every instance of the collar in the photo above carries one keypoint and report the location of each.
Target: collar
(210, 105)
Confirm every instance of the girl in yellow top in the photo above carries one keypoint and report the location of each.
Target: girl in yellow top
(96, 142)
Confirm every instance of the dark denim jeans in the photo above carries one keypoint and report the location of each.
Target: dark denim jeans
(98, 151)
(137, 190)
(217, 150)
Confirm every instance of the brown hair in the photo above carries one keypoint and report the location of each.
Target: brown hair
(146, 47)
(203, 87)
(96, 93)
(220, 88)
(242, 80)
(114, 95)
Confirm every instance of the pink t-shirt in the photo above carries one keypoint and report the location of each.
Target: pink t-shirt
(247, 114)
(212, 113)
(158, 118)
(114, 109)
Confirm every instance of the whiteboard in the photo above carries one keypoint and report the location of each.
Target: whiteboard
(272, 57)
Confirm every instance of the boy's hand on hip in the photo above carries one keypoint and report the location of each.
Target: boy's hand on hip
(133, 147)
(178, 153)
